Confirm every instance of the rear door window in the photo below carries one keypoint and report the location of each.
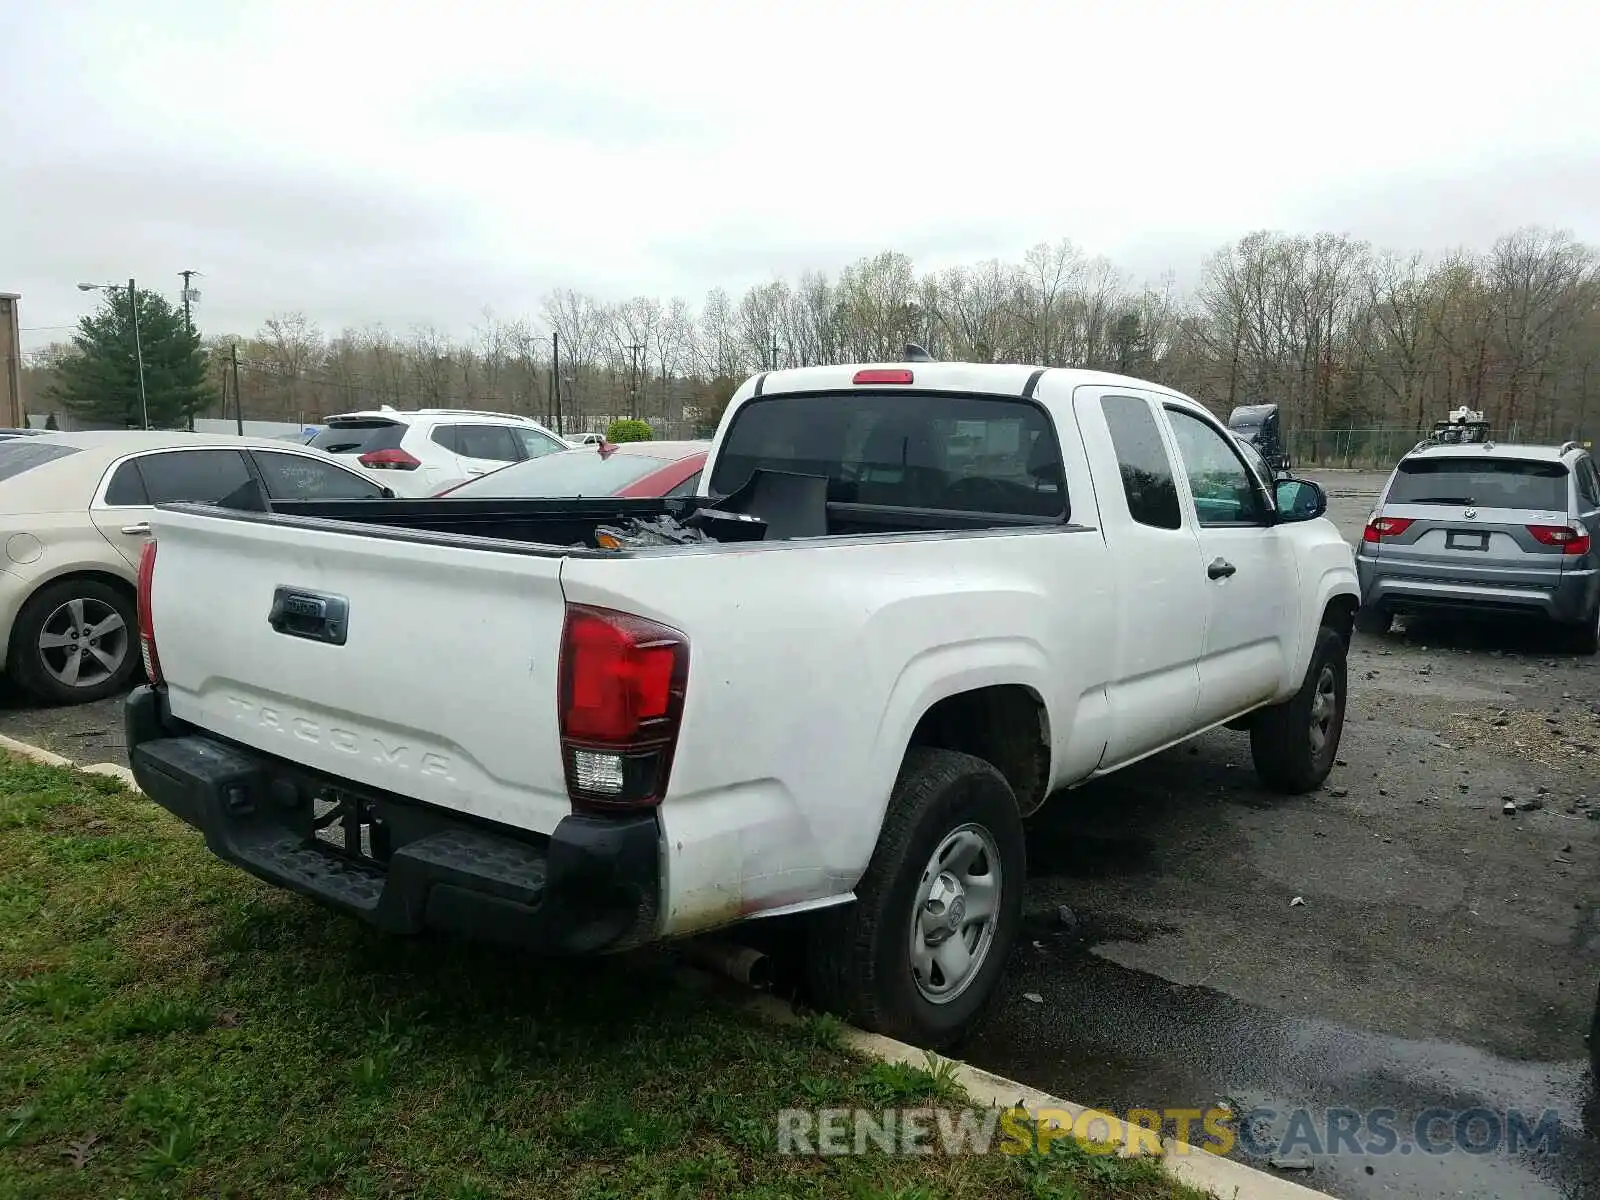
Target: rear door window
(494, 442)
(1496, 483)
(301, 477)
(127, 486)
(23, 454)
(359, 437)
(903, 449)
(195, 476)
(537, 444)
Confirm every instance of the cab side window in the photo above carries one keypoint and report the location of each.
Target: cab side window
(1147, 479)
(1224, 490)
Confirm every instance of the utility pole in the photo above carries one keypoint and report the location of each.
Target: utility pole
(633, 381)
(138, 352)
(555, 376)
(188, 295)
(774, 359)
(188, 321)
(238, 396)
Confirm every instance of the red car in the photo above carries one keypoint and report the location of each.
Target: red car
(637, 470)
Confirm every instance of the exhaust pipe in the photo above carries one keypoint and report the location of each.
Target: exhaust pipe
(739, 963)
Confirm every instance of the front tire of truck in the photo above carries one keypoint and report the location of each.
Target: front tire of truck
(919, 954)
(1294, 743)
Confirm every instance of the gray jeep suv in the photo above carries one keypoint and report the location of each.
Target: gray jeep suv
(1487, 529)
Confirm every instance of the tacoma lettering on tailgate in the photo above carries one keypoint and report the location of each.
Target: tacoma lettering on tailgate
(391, 755)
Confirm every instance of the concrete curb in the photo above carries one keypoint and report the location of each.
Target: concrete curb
(1223, 1177)
(34, 753)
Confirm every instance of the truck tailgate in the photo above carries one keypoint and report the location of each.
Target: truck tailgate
(441, 686)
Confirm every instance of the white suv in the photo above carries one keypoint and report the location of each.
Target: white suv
(420, 451)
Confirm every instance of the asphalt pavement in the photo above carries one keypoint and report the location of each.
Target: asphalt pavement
(1442, 954)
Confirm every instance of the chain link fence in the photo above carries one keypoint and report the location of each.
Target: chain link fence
(1367, 449)
(1374, 449)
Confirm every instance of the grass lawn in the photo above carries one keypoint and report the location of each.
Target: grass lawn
(169, 1026)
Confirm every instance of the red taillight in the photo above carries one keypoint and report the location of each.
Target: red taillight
(623, 680)
(874, 375)
(147, 629)
(1385, 527)
(1571, 541)
(389, 460)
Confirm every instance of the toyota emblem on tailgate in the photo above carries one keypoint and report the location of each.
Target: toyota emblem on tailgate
(1471, 514)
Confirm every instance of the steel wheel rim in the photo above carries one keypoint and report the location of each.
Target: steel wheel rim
(1324, 708)
(83, 642)
(956, 913)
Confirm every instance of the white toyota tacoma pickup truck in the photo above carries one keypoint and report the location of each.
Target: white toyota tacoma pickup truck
(954, 590)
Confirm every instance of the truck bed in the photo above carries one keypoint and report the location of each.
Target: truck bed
(567, 526)
(542, 525)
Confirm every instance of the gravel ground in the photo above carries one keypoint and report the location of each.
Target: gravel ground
(1445, 951)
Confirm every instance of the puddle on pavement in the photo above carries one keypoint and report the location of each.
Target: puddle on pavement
(1116, 1038)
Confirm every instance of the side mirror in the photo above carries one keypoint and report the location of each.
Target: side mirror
(387, 493)
(1300, 500)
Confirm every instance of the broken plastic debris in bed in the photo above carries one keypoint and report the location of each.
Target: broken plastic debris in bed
(638, 532)
(708, 525)
(725, 526)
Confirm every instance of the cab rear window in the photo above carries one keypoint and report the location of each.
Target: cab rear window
(24, 454)
(903, 449)
(1493, 483)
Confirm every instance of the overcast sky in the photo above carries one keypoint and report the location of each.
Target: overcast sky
(407, 163)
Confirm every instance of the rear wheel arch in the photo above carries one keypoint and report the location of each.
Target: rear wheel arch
(1005, 725)
(98, 575)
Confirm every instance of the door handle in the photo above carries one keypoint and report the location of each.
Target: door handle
(1220, 568)
(142, 529)
(476, 471)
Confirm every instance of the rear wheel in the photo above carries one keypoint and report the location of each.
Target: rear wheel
(1594, 1043)
(1294, 743)
(74, 641)
(1374, 620)
(919, 954)
(1584, 638)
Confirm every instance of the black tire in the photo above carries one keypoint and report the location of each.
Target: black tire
(1281, 740)
(1374, 620)
(858, 956)
(1584, 638)
(1594, 1046)
(27, 664)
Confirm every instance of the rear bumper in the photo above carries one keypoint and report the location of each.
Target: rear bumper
(1563, 597)
(592, 886)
